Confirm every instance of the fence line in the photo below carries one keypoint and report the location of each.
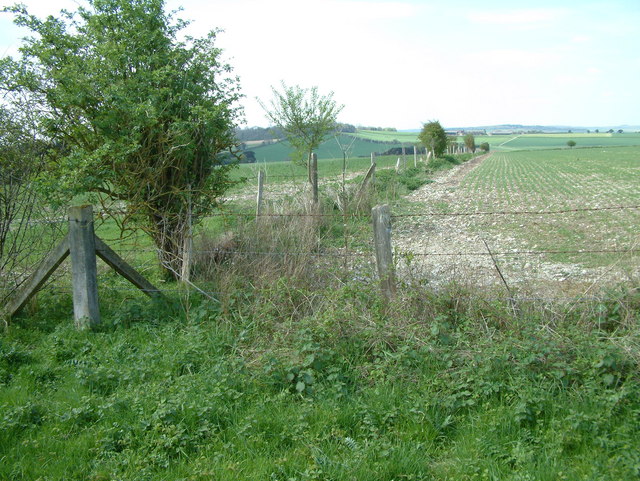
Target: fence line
(525, 253)
(631, 250)
(427, 214)
(265, 253)
(125, 240)
(519, 212)
(121, 244)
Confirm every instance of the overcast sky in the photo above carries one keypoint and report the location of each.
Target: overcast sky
(402, 63)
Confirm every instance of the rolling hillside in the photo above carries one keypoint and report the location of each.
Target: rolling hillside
(332, 148)
(364, 142)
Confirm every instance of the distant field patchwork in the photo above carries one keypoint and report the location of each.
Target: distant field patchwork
(362, 143)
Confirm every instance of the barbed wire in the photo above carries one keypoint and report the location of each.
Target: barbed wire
(32, 222)
(525, 253)
(264, 253)
(285, 176)
(301, 214)
(250, 214)
(423, 214)
(370, 251)
(518, 212)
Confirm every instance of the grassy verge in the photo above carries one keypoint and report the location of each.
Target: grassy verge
(292, 382)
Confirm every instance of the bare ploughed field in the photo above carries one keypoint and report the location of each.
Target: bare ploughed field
(547, 223)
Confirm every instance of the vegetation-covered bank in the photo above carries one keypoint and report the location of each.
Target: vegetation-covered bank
(301, 381)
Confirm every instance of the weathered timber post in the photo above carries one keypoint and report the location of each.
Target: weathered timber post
(415, 156)
(314, 177)
(373, 163)
(38, 278)
(260, 193)
(369, 176)
(187, 243)
(84, 273)
(384, 255)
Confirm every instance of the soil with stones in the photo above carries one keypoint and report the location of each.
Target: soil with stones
(442, 249)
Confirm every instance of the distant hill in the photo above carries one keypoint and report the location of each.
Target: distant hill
(332, 148)
(545, 129)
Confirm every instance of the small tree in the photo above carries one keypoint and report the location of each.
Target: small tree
(305, 117)
(485, 147)
(470, 142)
(571, 143)
(434, 138)
(140, 118)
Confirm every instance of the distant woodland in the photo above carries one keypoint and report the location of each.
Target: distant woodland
(267, 133)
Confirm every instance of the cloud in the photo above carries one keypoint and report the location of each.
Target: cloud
(518, 18)
(371, 10)
(517, 59)
(580, 39)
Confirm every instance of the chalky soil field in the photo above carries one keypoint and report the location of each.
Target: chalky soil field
(550, 223)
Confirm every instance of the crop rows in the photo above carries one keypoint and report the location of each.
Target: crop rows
(553, 180)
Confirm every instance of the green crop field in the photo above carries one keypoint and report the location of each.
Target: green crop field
(558, 180)
(329, 149)
(387, 136)
(559, 141)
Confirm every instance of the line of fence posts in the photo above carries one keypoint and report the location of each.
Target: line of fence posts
(381, 219)
(82, 244)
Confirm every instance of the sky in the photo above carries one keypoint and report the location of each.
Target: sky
(401, 63)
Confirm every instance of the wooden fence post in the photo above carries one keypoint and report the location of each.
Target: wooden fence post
(187, 242)
(83, 245)
(260, 193)
(314, 177)
(373, 162)
(84, 274)
(384, 255)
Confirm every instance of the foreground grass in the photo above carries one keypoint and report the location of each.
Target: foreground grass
(288, 382)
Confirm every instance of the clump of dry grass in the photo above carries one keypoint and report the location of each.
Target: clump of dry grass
(285, 242)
